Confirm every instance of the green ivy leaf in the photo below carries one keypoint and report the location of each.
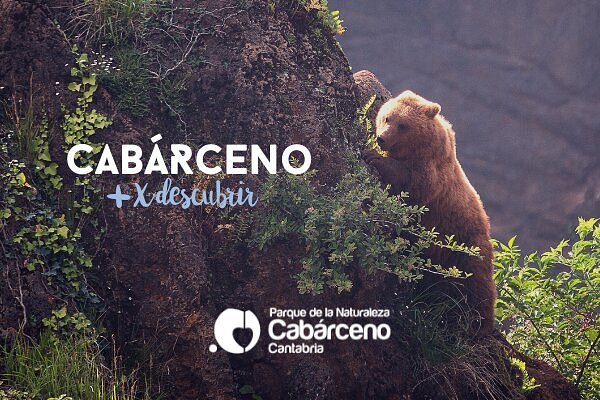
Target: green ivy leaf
(63, 231)
(21, 179)
(74, 87)
(89, 80)
(591, 334)
(45, 155)
(51, 169)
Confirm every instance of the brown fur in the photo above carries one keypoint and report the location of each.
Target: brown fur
(422, 161)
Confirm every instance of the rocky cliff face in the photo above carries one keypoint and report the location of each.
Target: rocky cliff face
(263, 78)
(519, 82)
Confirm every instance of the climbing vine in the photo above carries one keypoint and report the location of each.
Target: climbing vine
(41, 218)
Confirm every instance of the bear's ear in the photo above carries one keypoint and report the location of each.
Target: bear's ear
(432, 109)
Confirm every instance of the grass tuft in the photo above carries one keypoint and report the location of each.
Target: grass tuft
(71, 366)
(112, 21)
(21, 128)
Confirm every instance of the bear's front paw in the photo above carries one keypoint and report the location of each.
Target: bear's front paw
(370, 156)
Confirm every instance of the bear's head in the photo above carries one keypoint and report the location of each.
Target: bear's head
(408, 123)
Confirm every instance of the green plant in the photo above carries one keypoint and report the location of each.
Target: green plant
(356, 223)
(329, 19)
(21, 130)
(437, 325)
(47, 242)
(135, 87)
(36, 234)
(43, 238)
(25, 136)
(79, 125)
(70, 366)
(110, 21)
(364, 120)
(131, 83)
(60, 321)
(171, 95)
(436, 333)
(41, 224)
(529, 383)
(477, 370)
(550, 303)
(154, 45)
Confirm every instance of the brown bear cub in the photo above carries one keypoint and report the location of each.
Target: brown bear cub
(422, 161)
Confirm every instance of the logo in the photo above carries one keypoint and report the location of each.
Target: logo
(227, 323)
(299, 331)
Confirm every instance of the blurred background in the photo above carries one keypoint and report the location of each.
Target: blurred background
(520, 82)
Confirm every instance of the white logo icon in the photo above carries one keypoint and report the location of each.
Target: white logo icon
(230, 320)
